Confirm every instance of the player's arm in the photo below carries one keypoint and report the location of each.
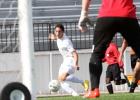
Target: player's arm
(76, 57)
(123, 47)
(104, 60)
(84, 20)
(52, 36)
(85, 5)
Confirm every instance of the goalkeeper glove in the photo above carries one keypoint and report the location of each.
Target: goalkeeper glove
(84, 21)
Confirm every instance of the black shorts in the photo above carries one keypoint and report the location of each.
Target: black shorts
(133, 61)
(113, 72)
(107, 27)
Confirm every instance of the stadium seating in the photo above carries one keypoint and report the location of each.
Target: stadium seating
(51, 10)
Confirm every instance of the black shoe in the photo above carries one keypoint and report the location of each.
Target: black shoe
(132, 87)
(110, 88)
(119, 82)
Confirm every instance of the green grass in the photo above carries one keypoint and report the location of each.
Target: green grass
(116, 96)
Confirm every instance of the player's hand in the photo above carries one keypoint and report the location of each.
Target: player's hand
(52, 36)
(122, 70)
(121, 64)
(84, 21)
(77, 67)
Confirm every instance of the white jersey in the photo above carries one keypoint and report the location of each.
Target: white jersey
(66, 48)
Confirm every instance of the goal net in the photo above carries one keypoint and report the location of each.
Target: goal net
(16, 36)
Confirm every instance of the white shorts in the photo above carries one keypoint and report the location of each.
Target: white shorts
(67, 69)
(67, 66)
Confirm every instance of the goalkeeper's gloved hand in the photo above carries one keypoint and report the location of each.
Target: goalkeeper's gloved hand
(84, 21)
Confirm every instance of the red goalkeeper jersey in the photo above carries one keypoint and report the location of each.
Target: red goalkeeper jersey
(112, 54)
(117, 8)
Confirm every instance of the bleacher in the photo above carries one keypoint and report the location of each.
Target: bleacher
(52, 10)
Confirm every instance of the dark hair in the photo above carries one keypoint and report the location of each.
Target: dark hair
(60, 26)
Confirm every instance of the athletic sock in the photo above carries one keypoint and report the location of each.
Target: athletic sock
(65, 86)
(74, 79)
(109, 88)
(95, 71)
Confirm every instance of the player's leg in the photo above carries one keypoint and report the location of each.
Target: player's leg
(136, 77)
(133, 60)
(62, 76)
(131, 32)
(117, 75)
(74, 79)
(65, 86)
(104, 32)
(108, 80)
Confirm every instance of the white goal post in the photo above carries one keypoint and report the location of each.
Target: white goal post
(26, 44)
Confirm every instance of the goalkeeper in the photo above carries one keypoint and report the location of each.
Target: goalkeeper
(114, 16)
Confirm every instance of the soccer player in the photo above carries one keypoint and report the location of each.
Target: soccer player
(114, 16)
(133, 58)
(113, 72)
(70, 61)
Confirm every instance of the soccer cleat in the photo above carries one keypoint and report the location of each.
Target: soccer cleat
(92, 94)
(132, 87)
(86, 85)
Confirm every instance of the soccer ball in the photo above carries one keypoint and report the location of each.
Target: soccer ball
(54, 85)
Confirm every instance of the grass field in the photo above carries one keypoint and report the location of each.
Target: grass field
(116, 96)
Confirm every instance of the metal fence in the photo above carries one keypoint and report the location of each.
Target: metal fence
(9, 37)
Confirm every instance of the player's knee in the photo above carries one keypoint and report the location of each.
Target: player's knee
(62, 77)
(108, 80)
(138, 60)
(95, 68)
(95, 61)
(95, 64)
(117, 81)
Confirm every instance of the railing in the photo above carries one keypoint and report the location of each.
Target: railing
(9, 38)
(80, 40)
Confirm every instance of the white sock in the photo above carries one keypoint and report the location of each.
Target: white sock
(65, 86)
(74, 79)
